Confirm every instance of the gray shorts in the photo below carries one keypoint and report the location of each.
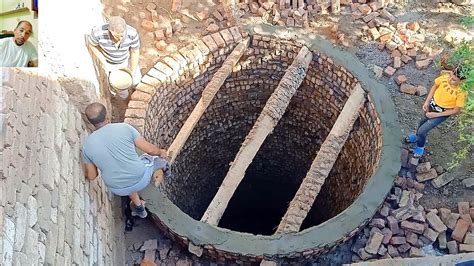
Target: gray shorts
(152, 163)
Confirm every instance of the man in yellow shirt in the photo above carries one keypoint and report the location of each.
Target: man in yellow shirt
(444, 99)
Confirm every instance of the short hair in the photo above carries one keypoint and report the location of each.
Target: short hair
(96, 113)
(117, 24)
(24, 21)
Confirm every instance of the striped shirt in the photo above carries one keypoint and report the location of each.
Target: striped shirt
(115, 54)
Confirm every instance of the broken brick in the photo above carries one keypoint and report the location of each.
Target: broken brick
(431, 174)
(148, 25)
(400, 79)
(421, 91)
(416, 252)
(452, 247)
(389, 71)
(463, 207)
(404, 248)
(422, 64)
(430, 234)
(374, 242)
(408, 89)
(392, 251)
(414, 26)
(398, 240)
(397, 62)
(387, 235)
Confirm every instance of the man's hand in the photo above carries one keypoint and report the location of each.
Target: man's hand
(149, 148)
(426, 106)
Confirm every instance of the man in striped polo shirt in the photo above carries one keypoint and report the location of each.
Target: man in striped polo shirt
(120, 45)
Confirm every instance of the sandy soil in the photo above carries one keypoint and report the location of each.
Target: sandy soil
(435, 20)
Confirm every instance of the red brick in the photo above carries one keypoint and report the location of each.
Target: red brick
(392, 251)
(218, 39)
(413, 227)
(209, 41)
(398, 240)
(387, 235)
(393, 225)
(400, 79)
(431, 174)
(414, 26)
(435, 222)
(423, 167)
(460, 230)
(365, 9)
(466, 248)
(389, 71)
(421, 91)
(404, 248)
(408, 89)
(411, 237)
(148, 25)
(422, 64)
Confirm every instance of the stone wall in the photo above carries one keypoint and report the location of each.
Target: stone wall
(49, 212)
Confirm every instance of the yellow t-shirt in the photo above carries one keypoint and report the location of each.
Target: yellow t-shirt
(447, 95)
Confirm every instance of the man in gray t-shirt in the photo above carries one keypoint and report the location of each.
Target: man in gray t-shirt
(112, 149)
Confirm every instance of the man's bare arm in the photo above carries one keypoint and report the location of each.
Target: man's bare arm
(90, 171)
(149, 148)
(133, 63)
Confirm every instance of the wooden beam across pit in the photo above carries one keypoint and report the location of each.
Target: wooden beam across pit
(266, 122)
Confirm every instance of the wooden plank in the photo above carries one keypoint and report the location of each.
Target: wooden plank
(269, 117)
(322, 164)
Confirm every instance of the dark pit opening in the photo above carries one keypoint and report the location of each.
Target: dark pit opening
(282, 162)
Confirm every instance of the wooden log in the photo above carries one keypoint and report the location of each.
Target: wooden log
(322, 164)
(266, 122)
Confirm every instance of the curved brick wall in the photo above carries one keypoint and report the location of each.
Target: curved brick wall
(204, 160)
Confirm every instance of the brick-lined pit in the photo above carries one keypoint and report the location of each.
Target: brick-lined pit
(280, 165)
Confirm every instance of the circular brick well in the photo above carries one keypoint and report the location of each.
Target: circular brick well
(245, 232)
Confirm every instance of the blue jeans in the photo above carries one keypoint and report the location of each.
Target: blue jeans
(426, 124)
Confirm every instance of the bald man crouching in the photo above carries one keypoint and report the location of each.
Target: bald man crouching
(111, 149)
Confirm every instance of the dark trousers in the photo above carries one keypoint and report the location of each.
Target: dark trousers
(426, 124)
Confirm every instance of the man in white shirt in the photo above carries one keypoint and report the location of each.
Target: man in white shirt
(17, 51)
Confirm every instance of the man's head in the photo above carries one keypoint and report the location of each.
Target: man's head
(22, 32)
(96, 114)
(117, 27)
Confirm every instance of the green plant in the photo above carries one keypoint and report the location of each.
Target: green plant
(467, 21)
(463, 57)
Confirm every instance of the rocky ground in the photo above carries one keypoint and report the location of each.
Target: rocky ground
(414, 35)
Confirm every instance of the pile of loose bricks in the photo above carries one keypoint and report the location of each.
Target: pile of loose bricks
(402, 227)
(168, 93)
(49, 213)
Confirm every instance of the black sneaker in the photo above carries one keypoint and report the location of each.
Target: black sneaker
(140, 211)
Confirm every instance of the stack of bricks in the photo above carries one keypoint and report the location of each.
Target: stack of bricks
(49, 213)
(402, 227)
(168, 94)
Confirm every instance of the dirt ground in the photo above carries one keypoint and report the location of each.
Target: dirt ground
(435, 19)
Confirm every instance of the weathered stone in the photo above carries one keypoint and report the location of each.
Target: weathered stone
(377, 222)
(393, 225)
(389, 71)
(150, 244)
(411, 237)
(442, 241)
(430, 234)
(363, 254)
(423, 167)
(452, 220)
(413, 227)
(452, 247)
(398, 240)
(422, 64)
(468, 182)
(374, 242)
(460, 230)
(400, 79)
(469, 239)
(387, 235)
(393, 251)
(416, 252)
(466, 248)
(463, 207)
(431, 174)
(403, 248)
(408, 89)
(435, 222)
